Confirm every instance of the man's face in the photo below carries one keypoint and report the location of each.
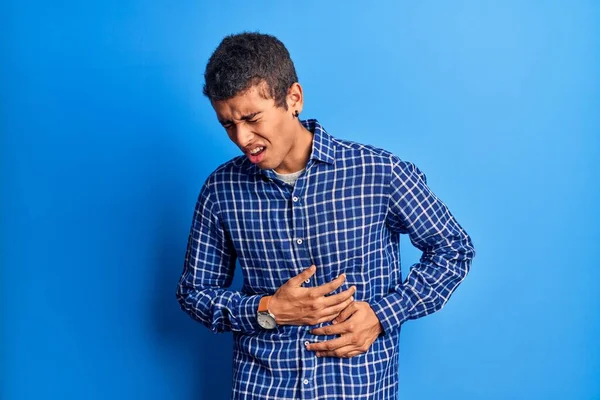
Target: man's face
(265, 133)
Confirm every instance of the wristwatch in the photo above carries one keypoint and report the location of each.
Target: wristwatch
(265, 319)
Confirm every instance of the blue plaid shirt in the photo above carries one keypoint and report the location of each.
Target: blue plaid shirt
(345, 214)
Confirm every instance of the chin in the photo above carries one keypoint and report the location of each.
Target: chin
(264, 165)
(268, 165)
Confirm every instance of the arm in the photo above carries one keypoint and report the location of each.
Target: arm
(447, 255)
(207, 272)
(447, 249)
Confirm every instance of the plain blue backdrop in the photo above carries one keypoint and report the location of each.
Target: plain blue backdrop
(106, 140)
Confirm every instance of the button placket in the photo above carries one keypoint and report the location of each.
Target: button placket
(297, 203)
(307, 371)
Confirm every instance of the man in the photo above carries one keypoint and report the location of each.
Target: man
(314, 222)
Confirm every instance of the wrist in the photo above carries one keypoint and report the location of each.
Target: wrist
(271, 304)
(264, 303)
(264, 316)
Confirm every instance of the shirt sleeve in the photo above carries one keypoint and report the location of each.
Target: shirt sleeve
(208, 272)
(447, 249)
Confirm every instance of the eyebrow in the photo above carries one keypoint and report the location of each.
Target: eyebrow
(242, 118)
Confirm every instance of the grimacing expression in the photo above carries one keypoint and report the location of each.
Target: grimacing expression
(265, 133)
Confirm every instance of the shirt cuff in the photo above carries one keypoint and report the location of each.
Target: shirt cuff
(391, 311)
(247, 311)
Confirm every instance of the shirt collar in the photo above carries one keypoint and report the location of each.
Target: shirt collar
(322, 146)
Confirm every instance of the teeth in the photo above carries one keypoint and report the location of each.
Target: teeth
(256, 150)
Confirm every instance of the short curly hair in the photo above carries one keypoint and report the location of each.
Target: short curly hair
(247, 59)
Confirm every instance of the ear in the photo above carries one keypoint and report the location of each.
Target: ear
(295, 98)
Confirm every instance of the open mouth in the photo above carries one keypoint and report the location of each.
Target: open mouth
(257, 151)
(256, 155)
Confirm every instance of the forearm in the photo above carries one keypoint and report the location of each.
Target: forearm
(428, 286)
(219, 309)
(208, 271)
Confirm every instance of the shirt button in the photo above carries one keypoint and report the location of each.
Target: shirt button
(295, 199)
(306, 343)
(307, 281)
(306, 381)
(299, 241)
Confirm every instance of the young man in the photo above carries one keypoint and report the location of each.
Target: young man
(314, 222)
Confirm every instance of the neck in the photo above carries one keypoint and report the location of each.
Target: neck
(298, 156)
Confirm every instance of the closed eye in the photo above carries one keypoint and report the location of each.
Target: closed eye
(250, 118)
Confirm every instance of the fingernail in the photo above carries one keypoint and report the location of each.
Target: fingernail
(342, 276)
(334, 322)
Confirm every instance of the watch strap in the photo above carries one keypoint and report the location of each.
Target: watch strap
(263, 305)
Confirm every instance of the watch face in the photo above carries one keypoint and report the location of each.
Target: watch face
(266, 321)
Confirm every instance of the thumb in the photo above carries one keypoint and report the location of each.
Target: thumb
(299, 279)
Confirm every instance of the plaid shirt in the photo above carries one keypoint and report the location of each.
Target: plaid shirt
(345, 214)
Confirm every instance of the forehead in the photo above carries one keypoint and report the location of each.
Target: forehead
(253, 100)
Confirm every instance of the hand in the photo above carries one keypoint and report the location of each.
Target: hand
(358, 326)
(293, 304)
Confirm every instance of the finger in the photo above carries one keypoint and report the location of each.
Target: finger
(330, 313)
(329, 345)
(345, 313)
(329, 287)
(330, 316)
(339, 298)
(299, 279)
(343, 352)
(331, 329)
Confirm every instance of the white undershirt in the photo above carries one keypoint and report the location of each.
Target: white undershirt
(290, 179)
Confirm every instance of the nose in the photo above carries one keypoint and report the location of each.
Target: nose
(242, 135)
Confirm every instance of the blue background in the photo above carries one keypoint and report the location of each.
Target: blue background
(106, 139)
